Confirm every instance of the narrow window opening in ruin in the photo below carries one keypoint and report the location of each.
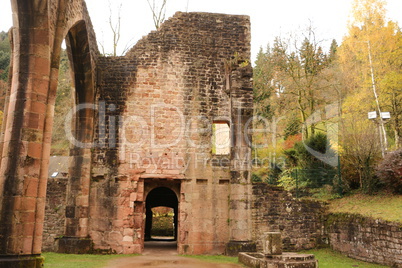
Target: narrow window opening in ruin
(221, 140)
(60, 143)
(162, 223)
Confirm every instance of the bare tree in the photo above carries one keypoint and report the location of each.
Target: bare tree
(158, 14)
(116, 30)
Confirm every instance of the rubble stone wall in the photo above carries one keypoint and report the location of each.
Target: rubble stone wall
(366, 239)
(54, 224)
(299, 221)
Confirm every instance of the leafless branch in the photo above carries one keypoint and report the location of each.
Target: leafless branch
(158, 15)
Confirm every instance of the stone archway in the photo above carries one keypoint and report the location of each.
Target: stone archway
(38, 31)
(81, 137)
(160, 197)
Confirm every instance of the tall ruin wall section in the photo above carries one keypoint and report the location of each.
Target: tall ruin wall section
(160, 102)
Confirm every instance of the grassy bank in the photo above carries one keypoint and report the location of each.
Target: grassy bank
(382, 206)
(330, 259)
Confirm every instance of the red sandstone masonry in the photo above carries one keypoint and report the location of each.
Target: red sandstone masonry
(181, 66)
(170, 78)
(28, 119)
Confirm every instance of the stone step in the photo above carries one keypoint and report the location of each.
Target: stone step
(290, 256)
(285, 260)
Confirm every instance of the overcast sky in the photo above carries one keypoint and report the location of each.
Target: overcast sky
(268, 18)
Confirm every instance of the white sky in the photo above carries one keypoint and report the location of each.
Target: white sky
(268, 18)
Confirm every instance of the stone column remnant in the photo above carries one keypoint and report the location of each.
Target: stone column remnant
(240, 184)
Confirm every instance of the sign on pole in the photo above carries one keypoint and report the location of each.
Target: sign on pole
(372, 115)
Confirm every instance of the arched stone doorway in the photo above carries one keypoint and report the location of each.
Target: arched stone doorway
(161, 196)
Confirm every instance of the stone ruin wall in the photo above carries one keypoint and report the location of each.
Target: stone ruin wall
(118, 190)
(53, 226)
(274, 209)
(306, 224)
(179, 71)
(366, 239)
(301, 222)
(182, 69)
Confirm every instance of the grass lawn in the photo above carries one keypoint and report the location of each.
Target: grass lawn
(326, 258)
(56, 260)
(383, 206)
(330, 259)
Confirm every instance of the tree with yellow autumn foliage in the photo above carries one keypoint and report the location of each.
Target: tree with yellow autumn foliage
(372, 35)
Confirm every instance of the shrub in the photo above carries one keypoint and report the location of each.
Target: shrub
(360, 151)
(255, 178)
(287, 182)
(310, 171)
(390, 171)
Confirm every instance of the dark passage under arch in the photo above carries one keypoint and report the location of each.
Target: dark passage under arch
(160, 197)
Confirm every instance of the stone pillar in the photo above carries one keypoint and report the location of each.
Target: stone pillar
(75, 240)
(240, 183)
(27, 137)
(77, 210)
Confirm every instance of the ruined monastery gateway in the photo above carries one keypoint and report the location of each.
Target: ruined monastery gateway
(143, 122)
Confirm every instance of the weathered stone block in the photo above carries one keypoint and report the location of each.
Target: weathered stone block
(233, 248)
(272, 243)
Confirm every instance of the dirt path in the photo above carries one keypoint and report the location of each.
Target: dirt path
(163, 255)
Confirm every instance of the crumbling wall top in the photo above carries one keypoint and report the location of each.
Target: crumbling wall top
(199, 30)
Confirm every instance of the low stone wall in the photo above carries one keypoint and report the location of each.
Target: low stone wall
(299, 221)
(53, 227)
(366, 239)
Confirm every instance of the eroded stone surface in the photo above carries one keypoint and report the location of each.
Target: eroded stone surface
(300, 222)
(166, 93)
(272, 243)
(367, 239)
